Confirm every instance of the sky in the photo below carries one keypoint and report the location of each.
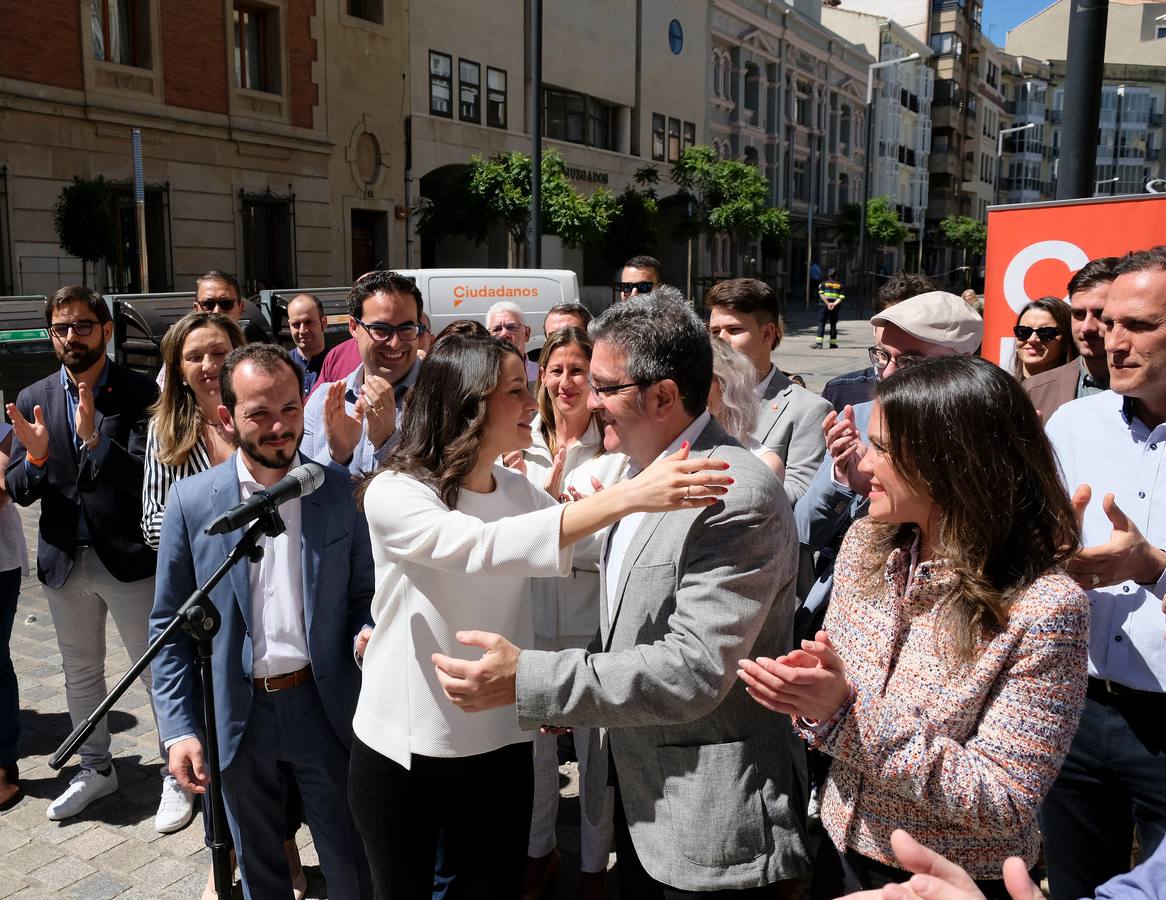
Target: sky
(1001, 15)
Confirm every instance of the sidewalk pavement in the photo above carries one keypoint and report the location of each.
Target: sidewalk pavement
(111, 850)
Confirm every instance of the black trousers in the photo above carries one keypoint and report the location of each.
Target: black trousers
(827, 316)
(480, 805)
(838, 874)
(635, 883)
(1113, 781)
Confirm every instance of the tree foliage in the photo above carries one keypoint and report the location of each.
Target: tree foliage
(84, 221)
(727, 196)
(964, 233)
(884, 228)
(634, 223)
(497, 190)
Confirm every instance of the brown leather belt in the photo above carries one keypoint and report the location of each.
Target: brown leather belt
(273, 683)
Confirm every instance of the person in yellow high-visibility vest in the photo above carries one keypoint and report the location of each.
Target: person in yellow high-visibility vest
(830, 296)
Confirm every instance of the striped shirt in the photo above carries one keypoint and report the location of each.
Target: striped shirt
(159, 477)
(959, 756)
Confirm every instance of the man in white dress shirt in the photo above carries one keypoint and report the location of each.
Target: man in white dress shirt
(1111, 447)
(285, 680)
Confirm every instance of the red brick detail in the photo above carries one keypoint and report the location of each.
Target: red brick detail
(194, 54)
(302, 92)
(40, 41)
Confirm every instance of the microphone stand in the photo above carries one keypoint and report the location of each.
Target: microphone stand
(199, 618)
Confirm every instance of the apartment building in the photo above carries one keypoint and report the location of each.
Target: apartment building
(1133, 100)
(266, 151)
(623, 88)
(901, 140)
(788, 95)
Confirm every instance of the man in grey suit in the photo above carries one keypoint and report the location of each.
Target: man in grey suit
(710, 795)
(744, 312)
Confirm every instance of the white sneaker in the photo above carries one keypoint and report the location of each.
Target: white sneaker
(86, 786)
(175, 809)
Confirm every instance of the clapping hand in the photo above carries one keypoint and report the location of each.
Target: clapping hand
(937, 878)
(34, 435)
(342, 429)
(846, 449)
(810, 683)
(85, 421)
(1126, 556)
(380, 408)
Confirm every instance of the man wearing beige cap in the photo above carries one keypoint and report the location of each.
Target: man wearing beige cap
(933, 324)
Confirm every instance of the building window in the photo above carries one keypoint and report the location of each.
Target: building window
(257, 48)
(269, 254)
(802, 104)
(1160, 32)
(657, 137)
(369, 10)
(5, 261)
(124, 274)
(495, 98)
(752, 93)
(946, 42)
(800, 187)
(673, 140)
(469, 90)
(598, 124)
(564, 115)
(689, 135)
(121, 31)
(440, 84)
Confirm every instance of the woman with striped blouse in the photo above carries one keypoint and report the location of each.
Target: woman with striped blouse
(185, 435)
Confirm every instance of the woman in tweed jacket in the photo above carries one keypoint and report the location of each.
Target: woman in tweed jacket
(951, 671)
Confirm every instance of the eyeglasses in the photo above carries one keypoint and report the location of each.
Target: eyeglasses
(615, 388)
(508, 327)
(224, 304)
(1046, 333)
(382, 331)
(631, 287)
(83, 328)
(880, 359)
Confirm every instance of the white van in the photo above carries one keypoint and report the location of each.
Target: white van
(451, 294)
(448, 295)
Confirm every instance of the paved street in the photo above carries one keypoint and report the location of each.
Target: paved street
(112, 850)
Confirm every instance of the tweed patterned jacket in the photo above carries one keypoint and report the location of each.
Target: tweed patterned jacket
(962, 756)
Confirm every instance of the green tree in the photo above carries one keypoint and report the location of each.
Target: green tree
(966, 234)
(497, 190)
(727, 196)
(84, 222)
(884, 228)
(633, 227)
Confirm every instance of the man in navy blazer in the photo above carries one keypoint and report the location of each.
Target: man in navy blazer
(285, 679)
(80, 441)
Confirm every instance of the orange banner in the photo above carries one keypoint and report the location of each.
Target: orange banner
(1035, 248)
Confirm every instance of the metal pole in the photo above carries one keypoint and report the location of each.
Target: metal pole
(866, 170)
(1087, 24)
(809, 249)
(1000, 152)
(408, 192)
(1121, 90)
(140, 204)
(536, 134)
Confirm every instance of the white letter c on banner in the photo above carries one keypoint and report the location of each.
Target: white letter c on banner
(1064, 251)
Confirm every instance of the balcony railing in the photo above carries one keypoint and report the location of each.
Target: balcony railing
(1056, 115)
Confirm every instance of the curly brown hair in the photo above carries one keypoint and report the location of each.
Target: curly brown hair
(1002, 522)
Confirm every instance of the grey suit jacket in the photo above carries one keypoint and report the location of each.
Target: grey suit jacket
(713, 785)
(790, 424)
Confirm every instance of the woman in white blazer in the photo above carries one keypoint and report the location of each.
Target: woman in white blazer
(456, 540)
(565, 455)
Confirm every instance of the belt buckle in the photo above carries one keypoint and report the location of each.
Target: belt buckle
(1113, 688)
(271, 690)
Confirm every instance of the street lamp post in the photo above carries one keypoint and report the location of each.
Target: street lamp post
(1097, 184)
(1121, 92)
(1000, 152)
(866, 169)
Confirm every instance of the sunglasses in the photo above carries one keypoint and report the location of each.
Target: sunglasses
(631, 287)
(1046, 333)
(84, 328)
(214, 303)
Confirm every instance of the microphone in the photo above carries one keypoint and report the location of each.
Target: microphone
(299, 482)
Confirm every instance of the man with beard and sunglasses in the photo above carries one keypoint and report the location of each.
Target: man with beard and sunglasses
(285, 678)
(80, 442)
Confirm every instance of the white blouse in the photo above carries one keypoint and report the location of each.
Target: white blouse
(440, 571)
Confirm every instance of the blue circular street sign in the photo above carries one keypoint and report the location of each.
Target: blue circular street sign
(675, 36)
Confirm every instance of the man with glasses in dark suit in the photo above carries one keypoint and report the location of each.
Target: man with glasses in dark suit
(80, 441)
(354, 422)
